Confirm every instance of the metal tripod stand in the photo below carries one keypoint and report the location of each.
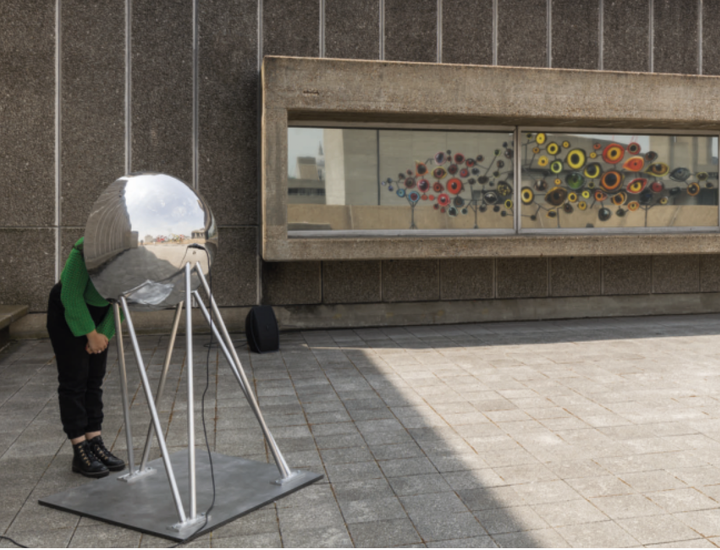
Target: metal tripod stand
(243, 485)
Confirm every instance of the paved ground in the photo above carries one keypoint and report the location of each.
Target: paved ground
(577, 433)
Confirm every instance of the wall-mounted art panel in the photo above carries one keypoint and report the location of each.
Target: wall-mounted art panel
(618, 181)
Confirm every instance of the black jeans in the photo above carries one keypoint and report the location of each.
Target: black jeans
(80, 374)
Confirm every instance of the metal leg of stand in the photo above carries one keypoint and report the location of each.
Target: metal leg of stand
(154, 414)
(190, 392)
(123, 388)
(223, 347)
(282, 466)
(161, 386)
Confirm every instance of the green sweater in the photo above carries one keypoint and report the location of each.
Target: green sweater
(77, 292)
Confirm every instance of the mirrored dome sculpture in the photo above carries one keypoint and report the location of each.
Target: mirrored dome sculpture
(140, 234)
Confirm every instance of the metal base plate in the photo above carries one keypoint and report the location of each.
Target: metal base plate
(147, 505)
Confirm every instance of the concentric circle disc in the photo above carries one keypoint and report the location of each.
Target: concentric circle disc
(556, 196)
(611, 181)
(454, 185)
(637, 186)
(527, 195)
(634, 164)
(593, 170)
(613, 153)
(575, 159)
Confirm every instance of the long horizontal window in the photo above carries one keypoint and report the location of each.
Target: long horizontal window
(358, 179)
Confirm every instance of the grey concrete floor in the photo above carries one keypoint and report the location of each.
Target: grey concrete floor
(546, 434)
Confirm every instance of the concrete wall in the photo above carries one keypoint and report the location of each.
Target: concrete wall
(69, 128)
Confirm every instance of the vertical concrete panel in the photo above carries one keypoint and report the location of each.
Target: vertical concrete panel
(676, 274)
(291, 27)
(235, 272)
(576, 276)
(289, 283)
(676, 36)
(228, 110)
(627, 275)
(351, 282)
(27, 266)
(522, 33)
(575, 25)
(162, 87)
(467, 31)
(711, 38)
(27, 113)
(466, 279)
(521, 277)
(411, 30)
(93, 103)
(410, 280)
(352, 29)
(68, 238)
(626, 28)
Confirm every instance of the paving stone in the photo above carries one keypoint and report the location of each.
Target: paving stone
(705, 522)
(419, 485)
(626, 506)
(427, 504)
(317, 537)
(406, 466)
(360, 511)
(381, 534)
(509, 520)
(474, 542)
(446, 526)
(657, 529)
(607, 534)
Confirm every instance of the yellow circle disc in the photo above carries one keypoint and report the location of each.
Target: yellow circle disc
(575, 159)
(536, 150)
(572, 197)
(566, 144)
(586, 194)
(508, 204)
(582, 205)
(540, 139)
(527, 195)
(553, 148)
(593, 170)
(634, 205)
(543, 161)
(593, 155)
(663, 200)
(558, 181)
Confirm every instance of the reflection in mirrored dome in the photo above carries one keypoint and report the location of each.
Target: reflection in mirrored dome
(140, 234)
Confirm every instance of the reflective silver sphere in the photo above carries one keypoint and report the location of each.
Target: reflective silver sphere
(140, 234)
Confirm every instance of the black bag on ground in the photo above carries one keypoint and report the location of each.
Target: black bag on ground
(261, 329)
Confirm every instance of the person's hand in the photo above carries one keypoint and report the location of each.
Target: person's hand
(97, 343)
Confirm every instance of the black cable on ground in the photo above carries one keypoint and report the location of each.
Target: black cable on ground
(16, 543)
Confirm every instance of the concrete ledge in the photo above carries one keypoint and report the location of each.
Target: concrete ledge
(424, 313)
(11, 314)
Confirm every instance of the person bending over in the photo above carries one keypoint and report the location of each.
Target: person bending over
(80, 323)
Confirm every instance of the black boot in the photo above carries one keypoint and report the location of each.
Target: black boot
(86, 463)
(113, 463)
